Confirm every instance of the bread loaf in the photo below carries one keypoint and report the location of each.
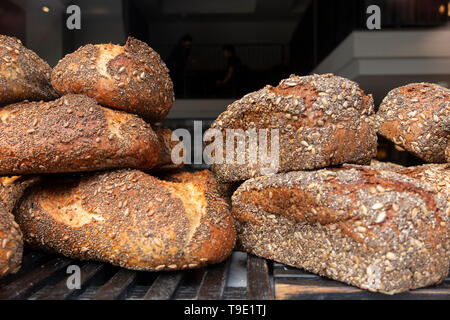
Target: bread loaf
(374, 229)
(12, 188)
(132, 78)
(129, 219)
(323, 120)
(11, 243)
(383, 165)
(71, 134)
(23, 75)
(413, 117)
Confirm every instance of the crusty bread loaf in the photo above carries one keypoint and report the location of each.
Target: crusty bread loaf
(412, 117)
(377, 230)
(166, 144)
(132, 78)
(129, 219)
(323, 120)
(23, 74)
(12, 188)
(71, 134)
(11, 243)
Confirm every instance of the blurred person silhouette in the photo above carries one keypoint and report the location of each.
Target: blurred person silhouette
(179, 60)
(233, 83)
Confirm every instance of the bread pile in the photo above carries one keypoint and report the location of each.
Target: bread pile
(331, 209)
(96, 110)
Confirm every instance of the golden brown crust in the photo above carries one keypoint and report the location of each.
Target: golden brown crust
(132, 78)
(166, 145)
(412, 117)
(72, 134)
(323, 120)
(23, 74)
(129, 219)
(11, 243)
(377, 230)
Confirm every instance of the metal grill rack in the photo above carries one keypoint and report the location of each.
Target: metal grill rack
(44, 277)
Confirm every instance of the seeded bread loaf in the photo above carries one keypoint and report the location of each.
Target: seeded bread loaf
(23, 74)
(376, 230)
(323, 120)
(383, 165)
(437, 175)
(412, 117)
(11, 243)
(166, 144)
(129, 219)
(72, 134)
(132, 78)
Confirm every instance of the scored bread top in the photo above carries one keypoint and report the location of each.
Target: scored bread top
(414, 117)
(130, 219)
(23, 74)
(72, 134)
(322, 120)
(132, 77)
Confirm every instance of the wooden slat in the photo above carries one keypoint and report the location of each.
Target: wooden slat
(31, 281)
(213, 283)
(116, 286)
(258, 279)
(60, 291)
(164, 286)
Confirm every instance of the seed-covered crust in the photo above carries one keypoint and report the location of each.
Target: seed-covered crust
(72, 134)
(11, 243)
(130, 219)
(166, 146)
(12, 188)
(377, 230)
(132, 78)
(383, 165)
(23, 74)
(437, 175)
(323, 120)
(413, 117)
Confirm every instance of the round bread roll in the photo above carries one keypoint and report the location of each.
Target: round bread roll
(323, 120)
(413, 117)
(73, 134)
(377, 230)
(132, 78)
(130, 219)
(23, 74)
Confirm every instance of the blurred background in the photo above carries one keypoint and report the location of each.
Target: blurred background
(218, 50)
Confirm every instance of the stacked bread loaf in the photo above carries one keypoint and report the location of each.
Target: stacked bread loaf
(96, 110)
(381, 227)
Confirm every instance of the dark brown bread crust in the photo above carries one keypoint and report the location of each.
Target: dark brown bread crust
(413, 117)
(11, 243)
(323, 120)
(72, 134)
(132, 78)
(166, 145)
(377, 230)
(129, 219)
(23, 74)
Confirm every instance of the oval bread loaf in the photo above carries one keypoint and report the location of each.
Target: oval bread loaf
(73, 134)
(413, 117)
(377, 230)
(23, 74)
(323, 120)
(129, 219)
(132, 78)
